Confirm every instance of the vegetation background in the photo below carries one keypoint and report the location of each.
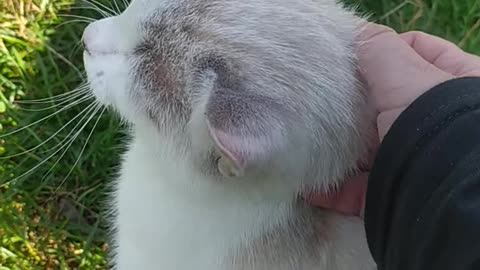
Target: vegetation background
(52, 183)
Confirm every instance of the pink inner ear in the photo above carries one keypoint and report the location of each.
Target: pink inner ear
(232, 147)
(247, 149)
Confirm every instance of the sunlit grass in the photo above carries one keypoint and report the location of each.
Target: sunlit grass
(48, 221)
(457, 21)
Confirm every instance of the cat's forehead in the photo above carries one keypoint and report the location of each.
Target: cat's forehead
(153, 9)
(145, 8)
(168, 19)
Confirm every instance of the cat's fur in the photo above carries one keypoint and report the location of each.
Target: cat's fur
(235, 107)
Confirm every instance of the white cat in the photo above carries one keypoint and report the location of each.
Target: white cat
(235, 106)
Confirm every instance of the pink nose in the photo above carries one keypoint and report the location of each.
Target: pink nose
(100, 37)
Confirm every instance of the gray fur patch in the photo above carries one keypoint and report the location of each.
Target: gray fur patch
(277, 64)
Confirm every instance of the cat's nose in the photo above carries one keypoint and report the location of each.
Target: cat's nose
(101, 37)
(84, 44)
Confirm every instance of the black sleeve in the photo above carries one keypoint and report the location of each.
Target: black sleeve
(423, 199)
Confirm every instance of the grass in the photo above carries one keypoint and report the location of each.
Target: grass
(51, 221)
(48, 221)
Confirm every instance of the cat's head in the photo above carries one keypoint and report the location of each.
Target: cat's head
(241, 85)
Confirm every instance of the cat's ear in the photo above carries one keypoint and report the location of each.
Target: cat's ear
(247, 129)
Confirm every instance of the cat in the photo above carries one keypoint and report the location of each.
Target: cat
(235, 107)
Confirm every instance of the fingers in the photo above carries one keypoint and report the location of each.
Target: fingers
(395, 74)
(431, 48)
(349, 200)
(370, 30)
(443, 54)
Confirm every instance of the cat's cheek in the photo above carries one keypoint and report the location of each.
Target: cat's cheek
(108, 78)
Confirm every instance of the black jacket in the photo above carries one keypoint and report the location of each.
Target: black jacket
(423, 200)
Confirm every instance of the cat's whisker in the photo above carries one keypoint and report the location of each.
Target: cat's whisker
(117, 8)
(71, 139)
(102, 7)
(100, 10)
(66, 61)
(88, 19)
(84, 145)
(72, 21)
(51, 101)
(63, 142)
(56, 103)
(94, 8)
(66, 147)
(83, 88)
(83, 113)
(81, 100)
(124, 3)
(83, 85)
(75, 48)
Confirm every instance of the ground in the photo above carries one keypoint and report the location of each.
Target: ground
(53, 185)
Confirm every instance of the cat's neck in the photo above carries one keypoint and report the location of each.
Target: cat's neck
(174, 165)
(163, 167)
(159, 190)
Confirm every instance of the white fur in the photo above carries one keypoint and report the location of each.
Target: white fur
(168, 216)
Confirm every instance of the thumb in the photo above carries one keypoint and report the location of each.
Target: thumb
(394, 73)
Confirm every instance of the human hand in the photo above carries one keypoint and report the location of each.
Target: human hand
(397, 69)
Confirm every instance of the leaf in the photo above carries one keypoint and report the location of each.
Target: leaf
(5, 253)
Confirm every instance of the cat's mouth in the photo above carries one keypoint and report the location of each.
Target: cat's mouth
(85, 47)
(93, 53)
